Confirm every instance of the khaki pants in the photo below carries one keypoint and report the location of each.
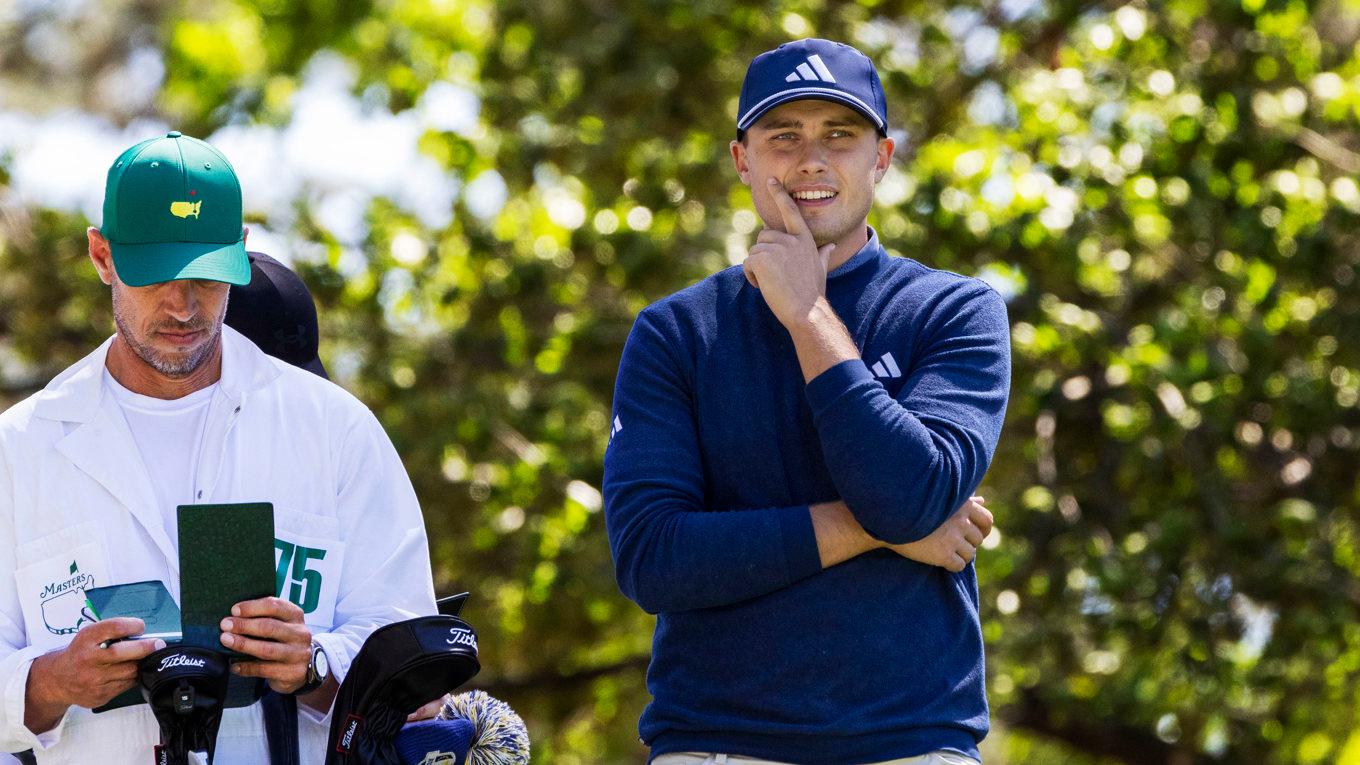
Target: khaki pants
(699, 758)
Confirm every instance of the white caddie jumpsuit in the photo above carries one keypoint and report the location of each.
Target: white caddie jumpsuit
(77, 510)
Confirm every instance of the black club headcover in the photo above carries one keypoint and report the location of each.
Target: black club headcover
(186, 688)
(400, 668)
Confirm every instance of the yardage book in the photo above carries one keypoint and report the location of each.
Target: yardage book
(226, 555)
(148, 601)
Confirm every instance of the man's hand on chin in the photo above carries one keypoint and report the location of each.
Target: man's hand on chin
(789, 269)
(787, 266)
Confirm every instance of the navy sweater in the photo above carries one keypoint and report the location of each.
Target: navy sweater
(719, 448)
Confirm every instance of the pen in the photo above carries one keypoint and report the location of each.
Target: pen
(162, 635)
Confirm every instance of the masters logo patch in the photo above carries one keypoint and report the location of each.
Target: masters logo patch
(61, 602)
(51, 578)
(185, 209)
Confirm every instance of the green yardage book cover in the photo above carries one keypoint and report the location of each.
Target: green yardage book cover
(226, 555)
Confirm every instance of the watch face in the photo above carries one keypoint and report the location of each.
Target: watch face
(323, 665)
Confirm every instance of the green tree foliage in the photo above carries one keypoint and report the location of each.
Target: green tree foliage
(1166, 190)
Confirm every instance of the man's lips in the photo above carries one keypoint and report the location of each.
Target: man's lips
(179, 337)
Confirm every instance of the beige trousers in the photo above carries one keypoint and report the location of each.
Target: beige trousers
(699, 758)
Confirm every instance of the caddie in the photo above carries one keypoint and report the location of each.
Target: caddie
(175, 408)
(795, 443)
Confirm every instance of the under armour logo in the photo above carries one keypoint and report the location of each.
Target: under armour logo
(813, 69)
(292, 340)
(886, 368)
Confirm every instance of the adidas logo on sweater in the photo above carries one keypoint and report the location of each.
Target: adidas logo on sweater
(814, 69)
(618, 425)
(886, 368)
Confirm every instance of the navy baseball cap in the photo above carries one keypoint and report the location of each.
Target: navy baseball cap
(812, 68)
(275, 310)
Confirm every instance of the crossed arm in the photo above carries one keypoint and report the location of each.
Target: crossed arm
(943, 426)
(671, 553)
(951, 546)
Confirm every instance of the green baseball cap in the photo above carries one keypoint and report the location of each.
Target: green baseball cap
(172, 210)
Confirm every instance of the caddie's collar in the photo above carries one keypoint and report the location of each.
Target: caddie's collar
(77, 393)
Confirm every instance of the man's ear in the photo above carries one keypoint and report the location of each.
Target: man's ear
(884, 159)
(245, 232)
(100, 255)
(739, 160)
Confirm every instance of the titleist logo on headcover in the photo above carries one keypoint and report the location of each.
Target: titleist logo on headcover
(180, 660)
(460, 636)
(352, 725)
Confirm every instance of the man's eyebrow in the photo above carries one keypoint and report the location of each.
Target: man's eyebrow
(778, 123)
(781, 123)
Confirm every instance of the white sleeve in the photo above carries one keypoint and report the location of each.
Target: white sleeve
(386, 574)
(16, 656)
(14, 687)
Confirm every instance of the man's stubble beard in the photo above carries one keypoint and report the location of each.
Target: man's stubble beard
(173, 366)
(826, 232)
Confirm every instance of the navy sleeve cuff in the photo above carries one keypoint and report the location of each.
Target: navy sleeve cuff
(800, 543)
(828, 386)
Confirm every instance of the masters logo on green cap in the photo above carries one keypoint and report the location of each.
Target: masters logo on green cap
(172, 210)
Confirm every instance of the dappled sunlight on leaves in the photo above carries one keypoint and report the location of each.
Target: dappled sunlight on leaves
(483, 195)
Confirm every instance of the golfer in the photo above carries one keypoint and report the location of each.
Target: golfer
(795, 445)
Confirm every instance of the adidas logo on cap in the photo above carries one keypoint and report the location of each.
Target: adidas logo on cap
(813, 69)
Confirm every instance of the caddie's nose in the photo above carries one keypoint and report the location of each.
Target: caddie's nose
(181, 301)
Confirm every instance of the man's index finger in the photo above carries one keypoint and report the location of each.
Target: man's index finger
(788, 209)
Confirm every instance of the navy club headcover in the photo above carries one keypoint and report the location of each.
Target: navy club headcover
(400, 668)
(435, 742)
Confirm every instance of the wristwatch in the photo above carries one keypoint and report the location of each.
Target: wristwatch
(318, 669)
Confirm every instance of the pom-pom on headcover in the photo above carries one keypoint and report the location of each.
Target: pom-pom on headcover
(400, 668)
(499, 736)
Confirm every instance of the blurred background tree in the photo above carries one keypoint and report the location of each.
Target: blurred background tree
(483, 194)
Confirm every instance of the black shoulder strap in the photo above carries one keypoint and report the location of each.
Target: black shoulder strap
(281, 727)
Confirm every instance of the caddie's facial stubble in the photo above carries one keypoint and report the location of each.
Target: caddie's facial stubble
(828, 158)
(173, 327)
